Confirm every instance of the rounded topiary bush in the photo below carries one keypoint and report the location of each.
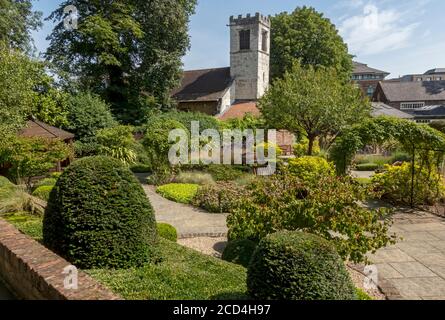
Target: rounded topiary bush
(239, 252)
(298, 266)
(99, 216)
(167, 231)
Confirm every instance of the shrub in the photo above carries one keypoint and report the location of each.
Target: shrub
(157, 145)
(224, 172)
(298, 266)
(395, 185)
(362, 295)
(46, 182)
(401, 157)
(15, 199)
(118, 143)
(55, 175)
(194, 178)
(219, 198)
(178, 192)
(367, 167)
(99, 216)
(87, 114)
(301, 148)
(310, 169)
(186, 118)
(332, 209)
(239, 252)
(167, 231)
(379, 160)
(30, 157)
(43, 192)
(5, 183)
(141, 168)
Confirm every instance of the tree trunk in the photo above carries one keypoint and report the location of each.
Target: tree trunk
(310, 150)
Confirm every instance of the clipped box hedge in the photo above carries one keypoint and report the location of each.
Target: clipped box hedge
(179, 192)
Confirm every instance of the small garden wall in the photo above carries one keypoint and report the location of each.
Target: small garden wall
(33, 272)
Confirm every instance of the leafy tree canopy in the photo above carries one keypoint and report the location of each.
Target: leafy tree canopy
(127, 51)
(314, 101)
(17, 20)
(308, 36)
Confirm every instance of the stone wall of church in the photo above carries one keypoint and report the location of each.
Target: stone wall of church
(250, 67)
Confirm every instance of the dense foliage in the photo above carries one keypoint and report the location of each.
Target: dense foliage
(221, 197)
(396, 182)
(17, 21)
(330, 208)
(118, 143)
(194, 177)
(412, 137)
(99, 216)
(87, 114)
(43, 192)
(135, 45)
(167, 231)
(239, 252)
(310, 169)
(157, 146)
(307, 36)
(313, 101)
(298, 266)
(179, 192)
(30, 157)
(186, 119)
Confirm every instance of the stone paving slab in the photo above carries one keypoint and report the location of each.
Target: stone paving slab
(188, 221)
(415, 266)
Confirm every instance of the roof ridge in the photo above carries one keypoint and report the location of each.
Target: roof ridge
(206, 69)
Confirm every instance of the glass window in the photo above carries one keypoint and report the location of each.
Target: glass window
(265, 38)
(244, 39)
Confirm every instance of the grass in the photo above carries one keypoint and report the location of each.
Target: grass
(195, 177)
(27, 223)
(179, 192)
(184, 274)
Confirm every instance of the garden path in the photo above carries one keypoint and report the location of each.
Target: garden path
(414, 268)
(190, 222)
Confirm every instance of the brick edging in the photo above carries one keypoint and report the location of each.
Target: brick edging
(33, 272)
(202, 235)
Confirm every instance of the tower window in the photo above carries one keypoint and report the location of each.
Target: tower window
(244, 39)
(265, 39)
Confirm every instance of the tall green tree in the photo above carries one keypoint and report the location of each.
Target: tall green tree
(17, 20)
(306, 35)
(313, 101)
(17, 94)
(127, 51)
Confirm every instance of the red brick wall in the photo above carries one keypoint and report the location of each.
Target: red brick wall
(33, 272)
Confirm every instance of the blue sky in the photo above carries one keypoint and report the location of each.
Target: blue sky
(400, 37)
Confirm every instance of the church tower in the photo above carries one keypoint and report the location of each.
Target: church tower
(250, 55)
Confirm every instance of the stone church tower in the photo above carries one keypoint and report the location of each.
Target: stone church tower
(250, 55)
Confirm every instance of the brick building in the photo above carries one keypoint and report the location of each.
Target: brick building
(437, 74)
(367, 78)
(422, 99)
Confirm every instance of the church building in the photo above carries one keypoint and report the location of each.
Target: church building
(232, 92)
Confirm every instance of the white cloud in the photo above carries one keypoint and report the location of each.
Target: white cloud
(375, 31)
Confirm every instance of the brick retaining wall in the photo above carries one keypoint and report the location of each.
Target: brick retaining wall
(33, 272)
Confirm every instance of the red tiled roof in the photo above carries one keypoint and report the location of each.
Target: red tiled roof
(239, 110)
(35, 128)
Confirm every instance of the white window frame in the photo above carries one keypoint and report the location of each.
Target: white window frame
(411, 105)
(426, 121)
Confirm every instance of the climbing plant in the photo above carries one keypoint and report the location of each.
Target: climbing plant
(418, 140)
